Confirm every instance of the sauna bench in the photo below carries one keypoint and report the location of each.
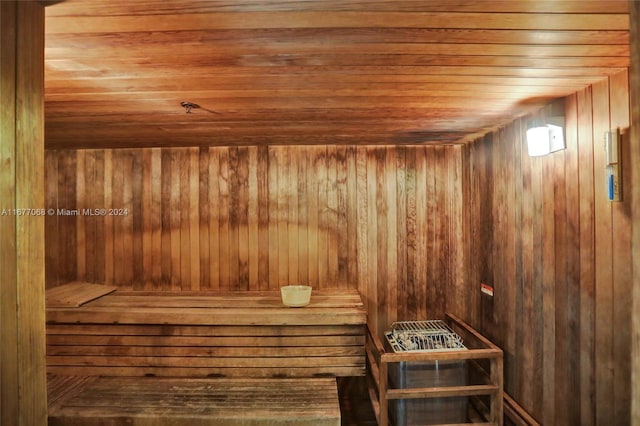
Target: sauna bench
(241, 334)
(187, 359)
(161, 401)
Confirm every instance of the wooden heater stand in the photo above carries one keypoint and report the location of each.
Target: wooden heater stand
(485, 377)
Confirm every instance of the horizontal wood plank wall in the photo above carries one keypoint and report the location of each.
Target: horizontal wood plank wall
(383, 219)
(558, 255)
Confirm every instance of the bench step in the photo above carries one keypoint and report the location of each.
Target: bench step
(208, 335)
(158, 401)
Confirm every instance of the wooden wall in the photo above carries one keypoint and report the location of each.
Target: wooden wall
(23, 392)
(385, 220)
(558, 254)
(415, 228)
(634, 18)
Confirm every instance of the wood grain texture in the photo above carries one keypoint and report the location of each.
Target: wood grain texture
(75, 294)
(604, 303)
(621, 245)
(196, 334)
(118, 401)
(555, 238)
(634, 159)
(323, 72)
(22, 224)
(519, 217)
(330, 216)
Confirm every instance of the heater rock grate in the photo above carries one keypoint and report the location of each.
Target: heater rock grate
(423, 336)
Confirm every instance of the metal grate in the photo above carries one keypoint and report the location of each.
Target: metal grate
(423, 336)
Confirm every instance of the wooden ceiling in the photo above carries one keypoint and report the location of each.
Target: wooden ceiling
(315, 71)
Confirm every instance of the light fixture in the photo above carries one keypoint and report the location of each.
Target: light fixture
(547, 138)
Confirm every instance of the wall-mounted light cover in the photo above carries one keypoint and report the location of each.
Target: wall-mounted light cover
(543, 140)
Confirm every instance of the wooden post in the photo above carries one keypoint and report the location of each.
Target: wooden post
(23, 395)
(383, 384)
(496, 411)
(634, 84)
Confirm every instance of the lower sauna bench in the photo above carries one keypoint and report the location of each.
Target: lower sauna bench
(157, 401)
(151, 358)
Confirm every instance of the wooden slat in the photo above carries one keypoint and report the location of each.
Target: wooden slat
(253, 238)
(214, 220)
(229, 300)
(206, 362)
(92, 354)
(76, 294)
(421, 72)
(444, 391)
(291, 169)
(157, 6)
(258, 339)
(572, 271)
(516, 414)
(634, 156)
(60, 388)
(202, 316)
(82, 234)
(182, 371)
(330, 213)
(301, 48)
(348, 83)
(117, 401)
(51, 252)
(263, 218)
(220, 331)
(322, 19)
(22, 245)
(322, 207)
(603, 296)
(587, 268)
(622, 247)
(233, 239)
(183, 188)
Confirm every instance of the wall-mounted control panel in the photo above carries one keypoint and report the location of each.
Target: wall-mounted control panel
(612, 166)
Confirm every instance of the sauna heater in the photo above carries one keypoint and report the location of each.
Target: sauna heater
(426, 336)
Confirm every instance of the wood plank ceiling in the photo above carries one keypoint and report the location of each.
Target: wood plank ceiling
(315, 71)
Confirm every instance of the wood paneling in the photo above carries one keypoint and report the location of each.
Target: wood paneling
(415, 229)
(22, 363)
(316, 72)
(241, 334)
(634, 165)
(557, 253)
(386, 220)
(117, 401)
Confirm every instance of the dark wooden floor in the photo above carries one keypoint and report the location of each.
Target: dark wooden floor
(355, 406)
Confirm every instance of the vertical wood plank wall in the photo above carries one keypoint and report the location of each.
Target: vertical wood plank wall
(385, 220)
(634, 18)
(415, 228)
(23, 391)
(558, 254)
